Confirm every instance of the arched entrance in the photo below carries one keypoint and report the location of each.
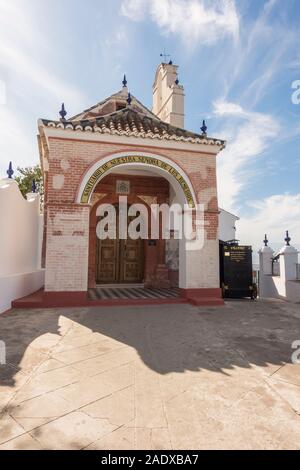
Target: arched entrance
(169, 184)
(116, 260)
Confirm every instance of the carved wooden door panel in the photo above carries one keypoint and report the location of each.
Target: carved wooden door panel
(131, 260)
(107, 261)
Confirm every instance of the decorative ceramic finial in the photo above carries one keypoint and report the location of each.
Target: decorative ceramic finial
(266, 241)
(287, 238)
(124, 82)
(33, 187)
(204, 128)
(171, 62)
(129, 99)
(10, 171)
(177, 81)
(63, 112)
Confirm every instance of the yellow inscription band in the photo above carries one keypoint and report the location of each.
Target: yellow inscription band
(90, 186)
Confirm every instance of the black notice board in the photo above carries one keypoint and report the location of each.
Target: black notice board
(236, 271)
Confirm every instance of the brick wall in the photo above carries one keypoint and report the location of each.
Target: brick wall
(67, 248)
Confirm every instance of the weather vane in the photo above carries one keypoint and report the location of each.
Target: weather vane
(165, 56)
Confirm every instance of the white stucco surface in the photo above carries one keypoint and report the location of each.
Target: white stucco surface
(20, 244)
(16, 286)
(227, 226)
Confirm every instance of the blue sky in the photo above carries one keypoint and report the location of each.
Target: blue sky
(238, 60)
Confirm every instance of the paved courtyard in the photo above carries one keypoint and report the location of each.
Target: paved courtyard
(154, 377)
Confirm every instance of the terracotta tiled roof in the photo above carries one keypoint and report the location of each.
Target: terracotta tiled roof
(108, 106)
(132, 123)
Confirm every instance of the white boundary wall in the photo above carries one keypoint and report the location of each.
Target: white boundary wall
(286, 286)
(21, 232)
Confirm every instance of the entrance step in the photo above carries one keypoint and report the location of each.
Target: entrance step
(132, 293)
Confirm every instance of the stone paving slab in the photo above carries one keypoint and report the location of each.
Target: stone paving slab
(151, 377)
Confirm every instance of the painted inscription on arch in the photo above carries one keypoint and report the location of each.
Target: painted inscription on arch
(90, 186)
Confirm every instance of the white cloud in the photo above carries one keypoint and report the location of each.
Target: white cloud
(273, 216)
(249, 135)
(195, 21)
(258, 64)
(134, 9)
(119, 38)
(225, 108)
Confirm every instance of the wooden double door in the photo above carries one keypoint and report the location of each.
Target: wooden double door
(119, 261)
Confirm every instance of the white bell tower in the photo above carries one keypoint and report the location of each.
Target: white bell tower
(168, 95)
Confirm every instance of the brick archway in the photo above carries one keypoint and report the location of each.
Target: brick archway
(163, 166)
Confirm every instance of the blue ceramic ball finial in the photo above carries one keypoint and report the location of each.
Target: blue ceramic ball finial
(124, 81)
(287, 238)
(33, 187)
(63, 112)
(266, 241)
(10, 172)
(129, 99)
(204, 128)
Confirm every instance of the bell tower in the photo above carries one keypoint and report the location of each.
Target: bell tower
(168, 95)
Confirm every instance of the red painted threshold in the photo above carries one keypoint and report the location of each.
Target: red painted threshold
(37, 300)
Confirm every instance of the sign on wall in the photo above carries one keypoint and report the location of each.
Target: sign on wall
(132, 159)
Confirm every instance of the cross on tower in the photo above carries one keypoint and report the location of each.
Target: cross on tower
(165, 57)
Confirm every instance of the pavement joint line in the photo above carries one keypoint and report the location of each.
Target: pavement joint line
(103, 437)
(277, 370)
(15, 437)
(107, 370)
(280, 379)
(282, 398)
(51, 370)
(79, 347)
(52, 420)
(46, 393)
(79, 409)
(72, 383)
(88, 358)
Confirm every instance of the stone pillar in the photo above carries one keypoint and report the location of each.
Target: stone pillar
(288, 261)
(266, 285)
(290, 289)
(265, 261)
